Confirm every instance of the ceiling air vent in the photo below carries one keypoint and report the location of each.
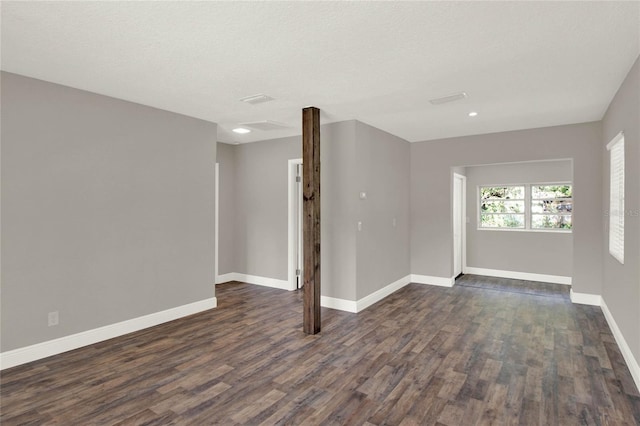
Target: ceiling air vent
(450, 98)
(266, 125)
(256, 99)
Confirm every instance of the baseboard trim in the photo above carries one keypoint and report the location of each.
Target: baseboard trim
(597, 300)
(427, 279)
(225, 278)
(378, 295)
(339, 304)
(254, 279)
(355, 306)
(554, 279)
(585, 298)
(67, 343)
(632, 363)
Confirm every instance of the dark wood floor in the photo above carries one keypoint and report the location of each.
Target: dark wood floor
(487, 351)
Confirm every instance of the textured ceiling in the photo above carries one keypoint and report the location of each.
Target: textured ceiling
(523, 64)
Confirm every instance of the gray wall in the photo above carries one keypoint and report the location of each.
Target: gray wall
(461, 170)
(107, 210)
(261, 230)
(261, 209)
(621, 284)
(226, 157)
(431, 162)
(548, 253)
(355, 157)
(382, 249)
(339, 203)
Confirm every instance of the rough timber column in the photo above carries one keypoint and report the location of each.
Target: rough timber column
(311, 219)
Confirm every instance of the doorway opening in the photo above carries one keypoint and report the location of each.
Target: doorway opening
(216, 273)
(459, 222)
(295, 264)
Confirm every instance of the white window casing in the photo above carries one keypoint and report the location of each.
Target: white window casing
(543, 208)
(616, 197)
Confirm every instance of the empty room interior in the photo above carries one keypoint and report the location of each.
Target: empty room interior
(320, 213)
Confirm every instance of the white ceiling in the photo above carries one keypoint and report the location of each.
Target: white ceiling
(523, 64)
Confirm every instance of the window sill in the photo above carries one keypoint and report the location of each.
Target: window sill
(544, 231)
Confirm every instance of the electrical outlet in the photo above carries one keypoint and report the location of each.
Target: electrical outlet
(53, 318)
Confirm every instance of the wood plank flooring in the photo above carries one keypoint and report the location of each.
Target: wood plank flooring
(487, 351)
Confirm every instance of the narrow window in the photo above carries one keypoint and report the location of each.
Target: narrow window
(616, 197)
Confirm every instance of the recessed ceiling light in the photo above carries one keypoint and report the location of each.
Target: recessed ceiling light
(473, 114)
(241, 130)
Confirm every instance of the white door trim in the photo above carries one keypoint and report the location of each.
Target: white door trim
(291, 173)
(216, 226)
(463, 213)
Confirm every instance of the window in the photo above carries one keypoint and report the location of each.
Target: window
(502, 207)
(537, 207)
(616, 197)
(551, 206)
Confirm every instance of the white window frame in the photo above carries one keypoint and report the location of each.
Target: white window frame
(616, 196)
(527, 207)
(479, 203)
(530, 213)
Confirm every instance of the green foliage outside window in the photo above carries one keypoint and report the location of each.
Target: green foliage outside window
(548, 206)
(551, 206)
(502, 207)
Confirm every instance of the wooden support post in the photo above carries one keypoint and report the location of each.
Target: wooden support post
(311, 218)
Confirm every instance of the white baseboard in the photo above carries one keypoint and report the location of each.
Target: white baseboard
(356, 306)
(63, 344)
(632, 363)
(376, 296)
(325, 301)
(339, 304)
(597, 300)
(585, 298)
(554, 279)
(225, 278)
(254, 279)
(427, 279)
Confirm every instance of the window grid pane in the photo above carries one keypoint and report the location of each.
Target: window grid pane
(500, 206)
(551, 221)
(563, 206)
(506, 192)
(498, 220)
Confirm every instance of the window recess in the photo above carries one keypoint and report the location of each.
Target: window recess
(536, 207)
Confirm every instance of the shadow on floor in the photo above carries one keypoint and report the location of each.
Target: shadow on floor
(514, 286)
